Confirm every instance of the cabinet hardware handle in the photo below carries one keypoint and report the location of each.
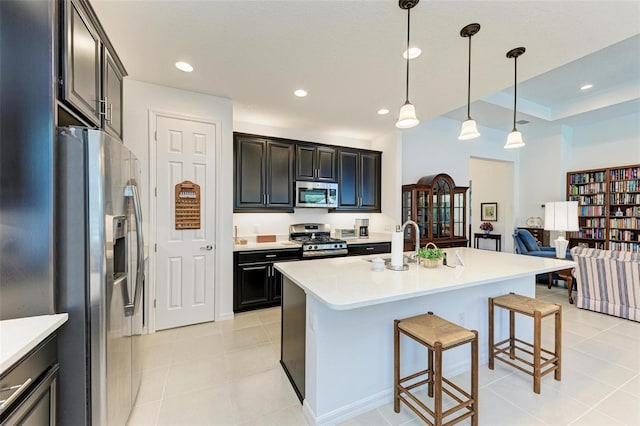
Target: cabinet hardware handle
(270, 255)
(264, 198)
(109, 117)
(20, 388)
(267, 198)
(370, 248)
(102, 102)
(208, 247)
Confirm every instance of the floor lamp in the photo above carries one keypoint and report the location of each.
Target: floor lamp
(561, 216)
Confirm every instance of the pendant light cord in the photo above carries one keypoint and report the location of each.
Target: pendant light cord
(515, 91)
(469, 85)
(408, 35)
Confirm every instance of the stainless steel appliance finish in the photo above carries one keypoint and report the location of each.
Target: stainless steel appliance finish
(316, 194)
(362, 228)
(100, 276)
(316, 240)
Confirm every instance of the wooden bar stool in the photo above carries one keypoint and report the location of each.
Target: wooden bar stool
(505, 350)
(438, 335)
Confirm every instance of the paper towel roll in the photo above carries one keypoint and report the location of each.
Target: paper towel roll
(397, 248)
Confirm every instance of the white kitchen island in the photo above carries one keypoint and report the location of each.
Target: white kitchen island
(340, 314)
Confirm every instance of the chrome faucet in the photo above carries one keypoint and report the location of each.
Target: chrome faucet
(415, 225)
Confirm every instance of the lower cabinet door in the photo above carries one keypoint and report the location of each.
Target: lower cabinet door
(276, 285)
(252, 286)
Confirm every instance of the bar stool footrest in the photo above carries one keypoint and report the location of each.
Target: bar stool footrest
(466, 403)
(503, 348)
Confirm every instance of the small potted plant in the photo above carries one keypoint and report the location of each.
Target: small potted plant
(486, 227)
(430, 257)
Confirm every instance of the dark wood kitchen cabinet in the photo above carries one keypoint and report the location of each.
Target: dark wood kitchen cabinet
(263, 174)
(315, 163)
(369, 248)
(91, 73)
(32, 380)
(359, 180)
(257, 284)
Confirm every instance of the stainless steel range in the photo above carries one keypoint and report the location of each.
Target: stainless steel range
(316, 240)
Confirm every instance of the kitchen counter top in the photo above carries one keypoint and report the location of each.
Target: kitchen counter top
(19, 336)
(348, 282)
(283, 244)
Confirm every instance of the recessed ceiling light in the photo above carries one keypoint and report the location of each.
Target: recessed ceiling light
(586, 87)
(184, 66)
(383, 111)
(414, 52)
(300, 93)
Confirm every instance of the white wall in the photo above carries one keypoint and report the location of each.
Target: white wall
(614, 142)
(493, 182)
(433, 147)
(552, 152)
(141, 98)
(251, 224)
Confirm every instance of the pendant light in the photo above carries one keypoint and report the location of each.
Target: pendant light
(514, 140)
(469, 128)
(407, 117)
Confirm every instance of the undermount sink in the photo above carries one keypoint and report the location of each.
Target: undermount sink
(387, 259)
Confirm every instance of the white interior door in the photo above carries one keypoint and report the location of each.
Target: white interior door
(185, 258)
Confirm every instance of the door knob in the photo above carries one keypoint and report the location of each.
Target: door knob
(207, 247)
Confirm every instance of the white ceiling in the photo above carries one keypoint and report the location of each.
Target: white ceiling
(347, 55)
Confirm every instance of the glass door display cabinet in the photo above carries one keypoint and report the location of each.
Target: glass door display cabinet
(438, 206)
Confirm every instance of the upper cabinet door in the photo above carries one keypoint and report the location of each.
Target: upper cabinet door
(112, 88)
(250, 155)
(326, 164)
(279, 174)
(348, 194)
(82, 70)
(370, 181)
(305, 162)
(315, 163)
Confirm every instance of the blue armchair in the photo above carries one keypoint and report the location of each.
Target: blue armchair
(526, 244)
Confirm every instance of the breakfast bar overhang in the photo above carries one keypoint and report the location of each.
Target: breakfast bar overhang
(339, 313)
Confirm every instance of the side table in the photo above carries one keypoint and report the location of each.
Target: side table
(567, 276)
(497, 238)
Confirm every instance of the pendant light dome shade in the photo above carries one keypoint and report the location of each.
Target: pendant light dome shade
(469, 128)
(514, 140)
(407, 117)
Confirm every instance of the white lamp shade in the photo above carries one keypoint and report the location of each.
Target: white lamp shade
(469, 130)
(561, 216)
(407, 118)
(514, 140)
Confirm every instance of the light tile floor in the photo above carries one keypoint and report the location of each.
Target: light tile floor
(227, 373)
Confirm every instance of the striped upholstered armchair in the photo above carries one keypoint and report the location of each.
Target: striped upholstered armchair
(608, 281)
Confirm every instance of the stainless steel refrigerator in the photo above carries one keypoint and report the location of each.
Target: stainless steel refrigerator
(99, 252)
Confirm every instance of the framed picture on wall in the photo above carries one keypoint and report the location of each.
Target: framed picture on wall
(489, 212)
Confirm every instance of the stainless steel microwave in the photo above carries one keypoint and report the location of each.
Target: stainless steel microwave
(316, 194)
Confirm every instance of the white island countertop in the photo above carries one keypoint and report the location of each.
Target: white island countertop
(19, 336)
(348, 282)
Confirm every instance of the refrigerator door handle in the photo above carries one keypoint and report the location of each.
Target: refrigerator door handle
(132, 191)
